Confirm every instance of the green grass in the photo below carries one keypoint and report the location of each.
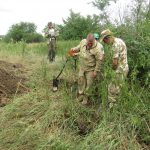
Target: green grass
(43, 120)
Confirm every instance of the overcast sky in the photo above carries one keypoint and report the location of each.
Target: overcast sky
(40, 12)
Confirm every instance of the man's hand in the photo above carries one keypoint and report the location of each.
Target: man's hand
(73, 52)
(94, 75)
(115, 63)
(114, 67)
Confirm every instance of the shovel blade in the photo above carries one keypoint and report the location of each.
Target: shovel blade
(55, 85)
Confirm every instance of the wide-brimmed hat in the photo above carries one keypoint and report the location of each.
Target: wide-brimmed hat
(105, 33)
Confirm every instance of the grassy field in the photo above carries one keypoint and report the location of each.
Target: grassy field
(43, 120)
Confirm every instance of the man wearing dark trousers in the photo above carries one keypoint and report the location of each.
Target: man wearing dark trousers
(51, 35)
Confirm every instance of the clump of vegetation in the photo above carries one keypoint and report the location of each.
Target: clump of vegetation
(23, 31)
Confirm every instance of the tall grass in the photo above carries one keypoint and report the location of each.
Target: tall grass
(44, 120)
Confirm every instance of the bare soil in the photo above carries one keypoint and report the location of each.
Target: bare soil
(11, 81)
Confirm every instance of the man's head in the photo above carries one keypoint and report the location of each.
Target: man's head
(90, 40)
(50, 25)
(107, 36)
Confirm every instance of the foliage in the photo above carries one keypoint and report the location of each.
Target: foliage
(77, 26)
(23, 31)
(140, 10)
(102, 6)
(137, 41)
(134, 30)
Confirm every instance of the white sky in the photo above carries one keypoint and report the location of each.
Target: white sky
(40, 12)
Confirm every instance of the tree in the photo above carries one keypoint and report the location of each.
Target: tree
(102, 6)
(134, 29)
(77, 26)
(23, 31)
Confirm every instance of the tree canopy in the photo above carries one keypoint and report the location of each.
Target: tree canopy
(23, 31)
(77, 26)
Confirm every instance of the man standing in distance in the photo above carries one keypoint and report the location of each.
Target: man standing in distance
(51, 35)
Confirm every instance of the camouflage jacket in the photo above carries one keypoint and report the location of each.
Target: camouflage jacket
(90, 60)
(120, 52)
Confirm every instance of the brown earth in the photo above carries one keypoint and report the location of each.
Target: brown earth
(11, 81)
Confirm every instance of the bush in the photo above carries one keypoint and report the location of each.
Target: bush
(23, 31)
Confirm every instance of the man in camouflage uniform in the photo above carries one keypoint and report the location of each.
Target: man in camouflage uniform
(119, 64)
(90, 59)
(51, 35)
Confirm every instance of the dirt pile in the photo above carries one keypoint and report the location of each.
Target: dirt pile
(11, 81)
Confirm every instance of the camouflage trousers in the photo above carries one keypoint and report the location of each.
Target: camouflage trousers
(85, 81)
(52, 50)
(114, 88)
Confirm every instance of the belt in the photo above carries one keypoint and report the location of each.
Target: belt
(52, 38)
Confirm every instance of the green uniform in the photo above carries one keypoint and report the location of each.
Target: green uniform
(119, 52)
(89, 61)
(51, 44)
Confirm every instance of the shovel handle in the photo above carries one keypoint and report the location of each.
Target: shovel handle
(62, 69)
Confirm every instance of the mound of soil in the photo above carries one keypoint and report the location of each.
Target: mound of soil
(11, 81)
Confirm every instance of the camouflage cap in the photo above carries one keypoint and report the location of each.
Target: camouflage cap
(96, 35)
(105, 33)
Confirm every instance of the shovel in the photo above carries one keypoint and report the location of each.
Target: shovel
(55, 79)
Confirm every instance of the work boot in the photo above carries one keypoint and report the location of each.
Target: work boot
(111, 105)
(85, 100)
(55, 89)
(80, 97)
